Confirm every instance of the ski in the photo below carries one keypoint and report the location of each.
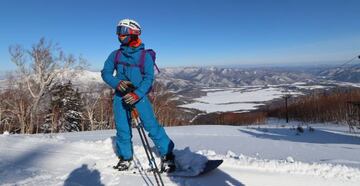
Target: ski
(209, 166)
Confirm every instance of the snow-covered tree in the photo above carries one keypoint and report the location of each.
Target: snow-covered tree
(47, 125)
(72, 109)
(65, 113)
(38, 68)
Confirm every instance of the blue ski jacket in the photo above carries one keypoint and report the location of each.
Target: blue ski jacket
(131, 55)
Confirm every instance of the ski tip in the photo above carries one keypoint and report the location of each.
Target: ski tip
(215, 161)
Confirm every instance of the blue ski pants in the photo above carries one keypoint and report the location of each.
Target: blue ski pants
(124, 133)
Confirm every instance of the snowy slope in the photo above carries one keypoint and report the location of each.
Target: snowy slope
(83, 77)
(253, 156)
(237, 99)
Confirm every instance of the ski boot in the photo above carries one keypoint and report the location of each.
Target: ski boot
(123, 165)
(168, 163)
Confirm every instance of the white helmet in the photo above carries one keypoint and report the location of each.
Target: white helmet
(134, 27)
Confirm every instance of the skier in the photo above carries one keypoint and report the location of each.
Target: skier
(128, 74)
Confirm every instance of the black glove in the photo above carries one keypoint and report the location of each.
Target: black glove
(125, 87)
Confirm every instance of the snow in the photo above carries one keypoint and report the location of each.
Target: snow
(235, 99)
(290, 159)
(312, 87)
(299, 83)
(348, 84)
(82, 76)
(189, 163)
(271, 155)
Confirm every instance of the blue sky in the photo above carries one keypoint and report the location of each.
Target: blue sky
(190, 32)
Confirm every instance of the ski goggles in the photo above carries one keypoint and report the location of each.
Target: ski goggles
(122, 30)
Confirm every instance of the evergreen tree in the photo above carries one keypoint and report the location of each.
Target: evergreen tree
(65, 113)
(53, 117)
(47, 125)
(72, 109)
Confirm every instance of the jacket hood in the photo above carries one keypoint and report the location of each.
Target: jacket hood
(129, 51)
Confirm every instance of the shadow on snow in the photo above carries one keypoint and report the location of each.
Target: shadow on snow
(318, 136)
(23, 166)
(216, 177)
(83, 176)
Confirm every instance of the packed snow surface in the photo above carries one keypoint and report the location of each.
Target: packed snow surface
(271, 155)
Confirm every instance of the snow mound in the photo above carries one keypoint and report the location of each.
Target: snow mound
(189, 163)
(289, 165)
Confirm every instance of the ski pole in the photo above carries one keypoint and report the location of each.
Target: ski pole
(139, 126)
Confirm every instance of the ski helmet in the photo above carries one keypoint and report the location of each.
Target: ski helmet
(128, 27)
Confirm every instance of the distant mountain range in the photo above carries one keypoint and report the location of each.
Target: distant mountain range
(180, 78)
(345, 74)
(183, 78)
